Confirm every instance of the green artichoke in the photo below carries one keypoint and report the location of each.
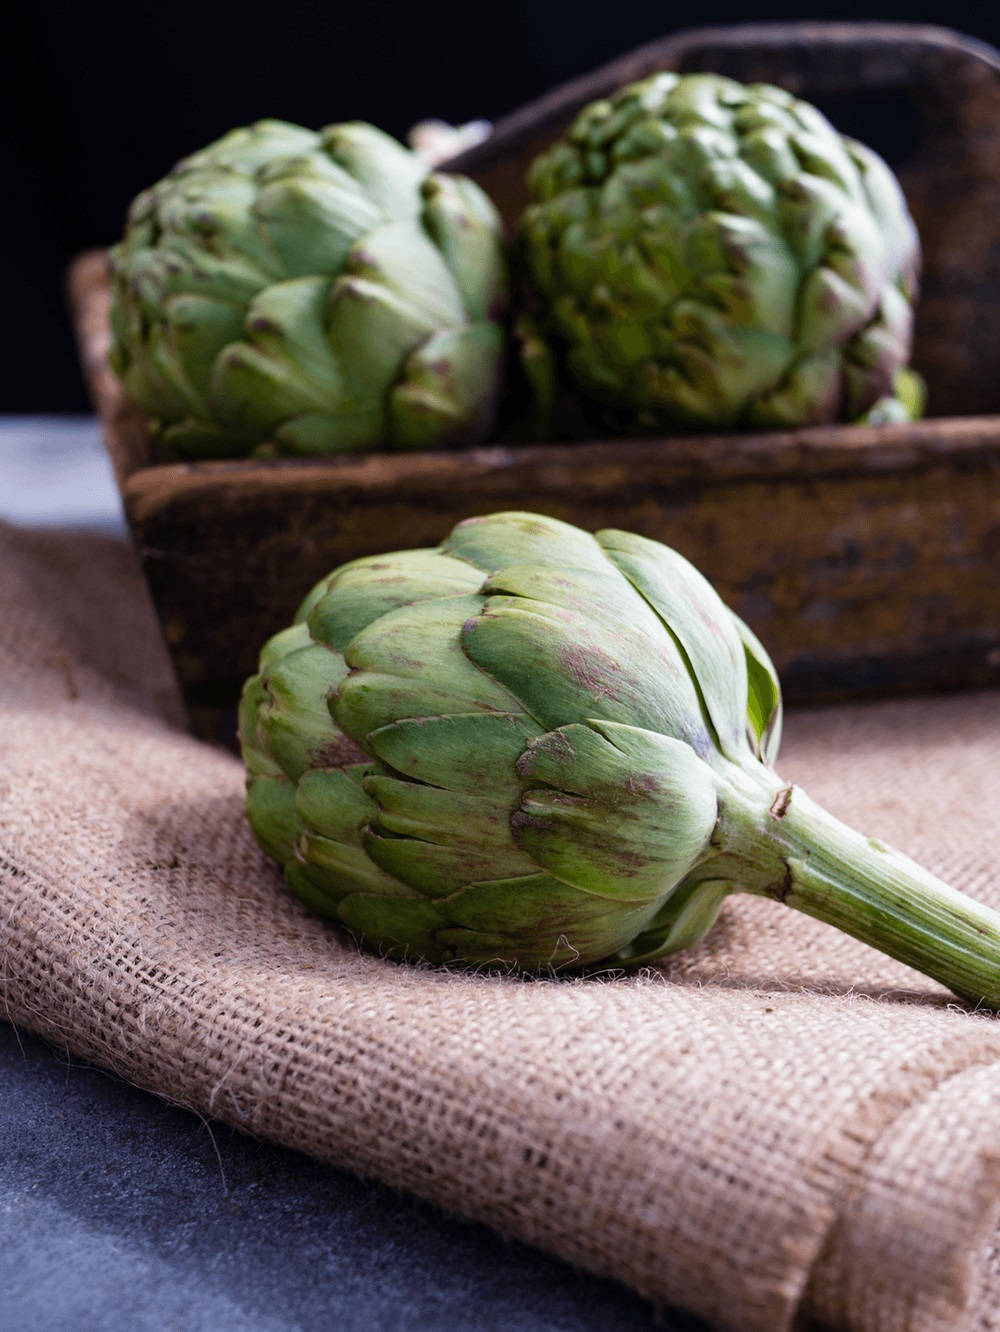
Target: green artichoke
(292, 292)
(699, 253)
(539, 749)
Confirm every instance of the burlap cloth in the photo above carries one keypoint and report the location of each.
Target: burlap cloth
(781, 1124)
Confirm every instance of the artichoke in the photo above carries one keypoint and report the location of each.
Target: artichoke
(539, 749)
(292, 292)
(698, 253)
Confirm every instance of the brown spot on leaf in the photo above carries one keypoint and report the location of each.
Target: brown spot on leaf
(340, 752)
(555, 743)
(558, 743)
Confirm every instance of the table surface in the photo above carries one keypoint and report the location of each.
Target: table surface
(119, 1213)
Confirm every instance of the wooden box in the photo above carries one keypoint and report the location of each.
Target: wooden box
(866, 558)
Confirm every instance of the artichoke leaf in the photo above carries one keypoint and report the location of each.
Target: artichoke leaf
(313, 223)
(370, 699)
(286, 321)
(464, 751)
(693, 613)
(438, 870)
(811, 392)
(503, 539)
(831, 307)
(372, 331)
(367, 589)
(476, 202)
(145, 382)
(608, 595)
(198, 327)
(624, 813)
(764, 708)
(273, 815)
(279, 645)
(683, 921)
(423, 641)
(254, 389)
(400, 928)
(895, 225)
(563, 668)
(401, 258)
(313, 434)
(257, 757)
(196, 439)
(447, 392)
(294, 720)
(333, 802)
(767, 150)
(872, 356)
(821, 154)
(313, 889)
(342, 868)
(208, 221)
(166, 365)
(390, 175)
(446, 818)
(250, 148)
(393, 659)
(537, 923)
(464, 229)
(535, 904)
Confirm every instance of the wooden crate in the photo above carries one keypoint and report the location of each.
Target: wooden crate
(866, 558)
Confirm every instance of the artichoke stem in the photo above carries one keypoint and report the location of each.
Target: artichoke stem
(874, 893)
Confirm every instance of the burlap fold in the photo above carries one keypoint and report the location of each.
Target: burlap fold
(779, 1123)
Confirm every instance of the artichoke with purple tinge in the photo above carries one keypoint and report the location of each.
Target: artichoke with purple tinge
(538, 749)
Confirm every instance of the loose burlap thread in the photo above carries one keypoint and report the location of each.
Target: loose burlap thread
(779, 1127)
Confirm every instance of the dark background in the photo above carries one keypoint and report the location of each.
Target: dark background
(100, 100)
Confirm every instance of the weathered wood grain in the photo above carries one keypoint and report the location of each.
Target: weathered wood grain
(125, 433)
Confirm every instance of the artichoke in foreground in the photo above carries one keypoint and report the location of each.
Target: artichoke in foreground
(292, 292)
(699, 253)
(539, 749)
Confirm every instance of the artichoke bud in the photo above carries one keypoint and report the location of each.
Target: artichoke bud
(698, 253)
(509, 750)
(284, 291)
(539, 749)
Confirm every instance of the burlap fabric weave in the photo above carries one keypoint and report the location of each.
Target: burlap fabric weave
(779, 1125)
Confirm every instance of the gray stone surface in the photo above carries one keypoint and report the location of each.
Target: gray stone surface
(54, 472)
(119, 1213)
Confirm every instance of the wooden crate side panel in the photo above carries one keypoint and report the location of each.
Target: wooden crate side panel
(126, 434)
(853, 583)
